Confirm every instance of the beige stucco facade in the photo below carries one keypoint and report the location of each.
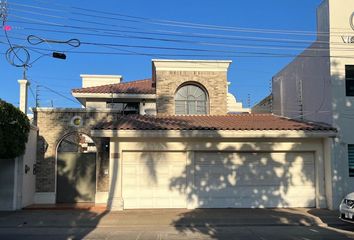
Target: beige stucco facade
(277, 151)
(190, 143)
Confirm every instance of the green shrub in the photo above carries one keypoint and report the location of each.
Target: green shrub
(14, 129)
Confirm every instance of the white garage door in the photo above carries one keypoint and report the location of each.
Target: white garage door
(147, 178)
(244, 180)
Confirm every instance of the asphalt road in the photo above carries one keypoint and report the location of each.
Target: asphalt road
(249, 224)
(248, 233)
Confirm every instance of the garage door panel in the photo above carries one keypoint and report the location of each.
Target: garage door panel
(260, 158)
(254, 179)
(148, 185)
(242, 179)
(246, 203)
(252, 192)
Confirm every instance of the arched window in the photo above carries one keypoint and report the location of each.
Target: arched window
(191, 99)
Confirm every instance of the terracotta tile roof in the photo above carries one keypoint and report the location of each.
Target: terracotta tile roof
(204, 122)
(135, 87)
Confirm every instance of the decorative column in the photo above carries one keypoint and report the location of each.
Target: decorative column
(24, 83)
(115, 200)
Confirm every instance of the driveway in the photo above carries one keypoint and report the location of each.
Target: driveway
(175, 224)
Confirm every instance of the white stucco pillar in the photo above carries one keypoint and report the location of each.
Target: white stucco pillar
(23, 94)
(115, 200)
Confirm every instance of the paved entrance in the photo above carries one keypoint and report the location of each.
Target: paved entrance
(175, 224)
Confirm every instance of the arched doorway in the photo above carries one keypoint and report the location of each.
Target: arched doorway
(76, 169)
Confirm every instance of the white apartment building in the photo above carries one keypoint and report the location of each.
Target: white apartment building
(318, 85)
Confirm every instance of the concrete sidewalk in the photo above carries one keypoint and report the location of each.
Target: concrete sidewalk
(172, 217)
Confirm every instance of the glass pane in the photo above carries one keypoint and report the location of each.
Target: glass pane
(201, 107)
(194, 100)
(349, 87)
(192, 108)
(182, 93)
(349, 72)
(351, 159)
(180, 107)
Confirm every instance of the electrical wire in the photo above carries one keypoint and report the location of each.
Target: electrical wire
(247, 54)
(74, 11)
(269, 47)
(56, 92)
(174, 33)
(181, 41)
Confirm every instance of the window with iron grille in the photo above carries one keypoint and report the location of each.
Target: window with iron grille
(190, 99)
(349, 80)
(351, 159)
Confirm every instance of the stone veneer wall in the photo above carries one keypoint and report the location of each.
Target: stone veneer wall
(53, 125)
(167, 83)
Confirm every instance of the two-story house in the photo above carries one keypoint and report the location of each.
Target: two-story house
(175, 141)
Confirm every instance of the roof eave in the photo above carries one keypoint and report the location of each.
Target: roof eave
(215, 134)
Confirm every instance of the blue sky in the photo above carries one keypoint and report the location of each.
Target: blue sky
(252, 31)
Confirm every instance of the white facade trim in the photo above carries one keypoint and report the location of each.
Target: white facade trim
(76, 110)
(114, 95)
(191, 65)
(100, 76)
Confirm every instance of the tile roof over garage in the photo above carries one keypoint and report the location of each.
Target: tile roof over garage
(211, 122)
(135, 87)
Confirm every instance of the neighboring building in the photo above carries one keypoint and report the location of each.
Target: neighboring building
(318, 85)
(169, 142)
(18, 177)
(264, 106)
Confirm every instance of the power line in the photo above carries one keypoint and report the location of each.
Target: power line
(145, 20)
(175, 33)
(55, 92)
(247, 54)
(269, 47)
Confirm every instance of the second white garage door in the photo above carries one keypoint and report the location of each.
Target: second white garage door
(218, 180)
(147, 178)
(262, 179)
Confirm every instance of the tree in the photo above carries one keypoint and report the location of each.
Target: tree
(14, 129)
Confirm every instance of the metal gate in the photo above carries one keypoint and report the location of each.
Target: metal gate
(76, 169)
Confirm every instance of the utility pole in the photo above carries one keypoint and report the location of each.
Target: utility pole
(300, 101)
(37, 96)
(271, 95)
(249, 100)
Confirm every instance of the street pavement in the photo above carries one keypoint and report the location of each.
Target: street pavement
(260, 224)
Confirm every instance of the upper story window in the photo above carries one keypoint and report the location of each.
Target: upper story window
(351, 159)
(191, 99)
(349, 80)
(124, 108)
